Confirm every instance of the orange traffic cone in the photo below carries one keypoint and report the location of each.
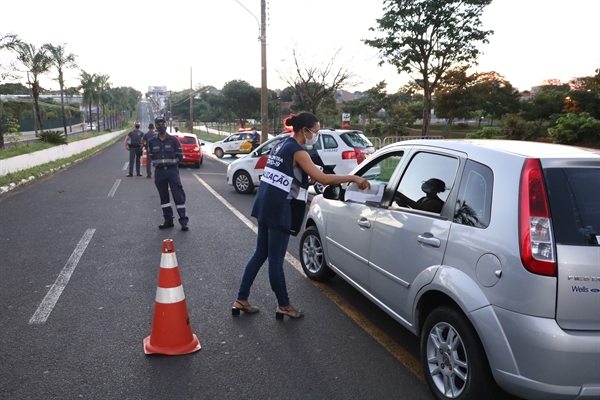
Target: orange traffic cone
(171, 332)
(144, 158)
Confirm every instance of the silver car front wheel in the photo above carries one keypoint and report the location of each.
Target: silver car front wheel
(312, 256)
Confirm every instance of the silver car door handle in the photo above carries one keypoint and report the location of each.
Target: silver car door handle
(430, 240)
(363, 223)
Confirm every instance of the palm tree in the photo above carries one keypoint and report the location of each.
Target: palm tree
(7, 70)
(89, 87)
(60, 60)
(103, 94)
(37, 62)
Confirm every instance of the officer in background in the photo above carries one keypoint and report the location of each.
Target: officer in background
(147, 136)
(133, 143)
(255, 138)
(165, 152)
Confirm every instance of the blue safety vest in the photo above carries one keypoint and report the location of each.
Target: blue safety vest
(272, 197)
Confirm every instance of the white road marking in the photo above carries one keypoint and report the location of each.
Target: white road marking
(126, 165)
(388, 343)
(47, 305)
(114, 188)
(288, 257)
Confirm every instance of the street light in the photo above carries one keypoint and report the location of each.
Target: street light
(264, 97)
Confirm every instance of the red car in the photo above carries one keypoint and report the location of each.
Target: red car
(192, 152)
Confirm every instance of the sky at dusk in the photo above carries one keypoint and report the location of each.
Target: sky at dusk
(157, 43)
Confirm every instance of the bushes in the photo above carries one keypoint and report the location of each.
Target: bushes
(575, 129)
(53, 137)
(374, 128)
(514, 127)
(487, 132)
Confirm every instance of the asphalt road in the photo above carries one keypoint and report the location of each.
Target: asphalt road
(91, 220)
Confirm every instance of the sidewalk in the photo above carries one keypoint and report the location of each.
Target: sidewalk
(71, 129)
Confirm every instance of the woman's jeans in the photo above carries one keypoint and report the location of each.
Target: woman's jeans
(271, 243)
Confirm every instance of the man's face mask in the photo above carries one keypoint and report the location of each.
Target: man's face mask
(162, 129)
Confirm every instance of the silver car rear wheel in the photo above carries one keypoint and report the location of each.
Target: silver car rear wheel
(453, 358)
(312, 256)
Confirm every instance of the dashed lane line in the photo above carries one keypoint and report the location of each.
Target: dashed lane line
(114, 188)
(47, 305)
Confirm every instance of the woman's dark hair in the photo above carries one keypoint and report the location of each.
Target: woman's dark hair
(437, 184)
(302, 120)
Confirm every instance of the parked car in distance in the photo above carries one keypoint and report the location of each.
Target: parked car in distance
(238, 143)
(192, 150)
(245, 173)
(488, 250)
(343, 149)
(338, 151)
(91, 127)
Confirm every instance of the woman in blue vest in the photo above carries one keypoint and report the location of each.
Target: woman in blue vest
(279, 207)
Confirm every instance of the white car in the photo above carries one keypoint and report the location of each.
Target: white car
(337, 151)
(238, 143)
(244, 173)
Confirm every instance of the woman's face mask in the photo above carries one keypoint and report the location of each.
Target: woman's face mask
(313, 140)
(161, 129)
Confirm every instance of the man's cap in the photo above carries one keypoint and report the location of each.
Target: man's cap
(160, 119)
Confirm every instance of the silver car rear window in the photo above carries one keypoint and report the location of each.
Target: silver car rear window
(574, 199)
(355, 139)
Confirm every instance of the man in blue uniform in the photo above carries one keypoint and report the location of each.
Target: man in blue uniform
(255, 138)
(133, 143)
(147, 136)
(165, 152)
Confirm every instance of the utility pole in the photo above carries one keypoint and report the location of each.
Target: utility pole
(170, 112)
(264, 97)
(191, 104)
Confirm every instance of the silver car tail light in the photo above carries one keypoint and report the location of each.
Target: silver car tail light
(535, 229)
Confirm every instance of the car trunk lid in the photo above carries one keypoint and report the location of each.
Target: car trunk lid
(574, 200)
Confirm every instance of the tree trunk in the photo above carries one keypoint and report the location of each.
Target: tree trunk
(426, 113)
(98, 117)
(62, 101)
(1, 131)
(450, 122)
(38, 114)
(91, 119)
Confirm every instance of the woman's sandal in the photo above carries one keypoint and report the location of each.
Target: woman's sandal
(290, 312)
(247, 308)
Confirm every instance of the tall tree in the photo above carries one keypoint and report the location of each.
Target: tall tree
(36, 62)
(241, 99)
(7, 70)
(313, 84)
(90, 93)
(103, 87)
(61, 60)
(495, 95)
(453, 97)
(372, 101)
(426, 38)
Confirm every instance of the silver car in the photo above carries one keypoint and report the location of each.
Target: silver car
(486, 249)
